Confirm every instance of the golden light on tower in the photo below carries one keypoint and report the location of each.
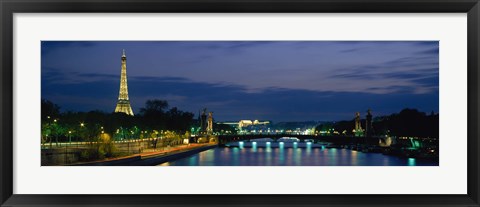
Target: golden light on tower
(123, 104)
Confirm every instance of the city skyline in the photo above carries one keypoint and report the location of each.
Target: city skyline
(278, 81)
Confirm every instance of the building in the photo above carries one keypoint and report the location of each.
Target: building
(123, 103)
(245, 123)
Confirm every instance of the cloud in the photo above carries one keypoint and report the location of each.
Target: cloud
(233, 103)
(257, 65)
(55, 75)
(433, 51)
(278, 80)
(49, 46)
(352, 50)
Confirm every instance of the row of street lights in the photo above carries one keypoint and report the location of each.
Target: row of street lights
(119, 131)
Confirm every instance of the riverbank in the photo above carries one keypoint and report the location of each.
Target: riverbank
(151, 158)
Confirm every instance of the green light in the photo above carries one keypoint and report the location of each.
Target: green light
(411, 162)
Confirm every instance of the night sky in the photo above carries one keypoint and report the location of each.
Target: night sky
(277, 81)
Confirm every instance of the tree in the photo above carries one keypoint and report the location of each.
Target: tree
(411, 122)
(86, 126)
(154, 114)
(154, 106)
(179, 121)
(408, 123)
(49, 110)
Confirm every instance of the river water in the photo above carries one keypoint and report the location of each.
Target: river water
(224, 156)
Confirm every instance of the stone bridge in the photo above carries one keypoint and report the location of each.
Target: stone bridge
(336, 140)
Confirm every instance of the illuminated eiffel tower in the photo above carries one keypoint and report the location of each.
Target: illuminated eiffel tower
(123, 104)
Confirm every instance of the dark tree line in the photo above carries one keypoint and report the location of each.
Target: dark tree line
(157, 116)
(154, 118)
(408, 123)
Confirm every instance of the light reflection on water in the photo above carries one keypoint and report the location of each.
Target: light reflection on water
(293, 157)
(411, 161)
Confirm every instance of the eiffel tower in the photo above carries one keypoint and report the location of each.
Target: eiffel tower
(123, 104)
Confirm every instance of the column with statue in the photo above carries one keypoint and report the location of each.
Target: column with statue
(210, 123)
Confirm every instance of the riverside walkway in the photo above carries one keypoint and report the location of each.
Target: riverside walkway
(151, 157)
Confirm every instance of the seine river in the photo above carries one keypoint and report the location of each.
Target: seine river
(224, 156)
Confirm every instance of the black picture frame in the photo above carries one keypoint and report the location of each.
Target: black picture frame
(10, 7)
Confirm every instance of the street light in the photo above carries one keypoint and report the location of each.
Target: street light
(56, 133)
(81, 125)
(66, 146)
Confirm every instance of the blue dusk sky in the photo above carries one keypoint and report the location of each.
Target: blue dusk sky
(278, 81)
